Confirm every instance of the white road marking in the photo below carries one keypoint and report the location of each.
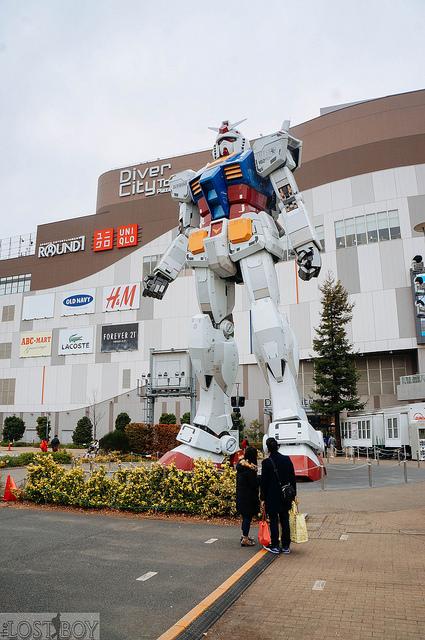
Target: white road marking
(319, 585)
(344, 536)
(211, 540)
(146, 576)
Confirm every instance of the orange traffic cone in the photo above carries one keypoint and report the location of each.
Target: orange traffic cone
(9, 496)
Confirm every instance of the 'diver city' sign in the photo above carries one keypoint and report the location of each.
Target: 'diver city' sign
(60, 247)
(148, 181)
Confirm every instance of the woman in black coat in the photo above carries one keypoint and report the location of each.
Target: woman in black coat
(247, 500)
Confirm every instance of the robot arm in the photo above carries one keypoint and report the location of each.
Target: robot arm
(172, 262)
(276, 157)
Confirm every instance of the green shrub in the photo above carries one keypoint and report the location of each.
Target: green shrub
(121, 421)
(167, 418)
(185, 418)
(60, 457)
(83, 432)
(41, 427)
(13, 428)
(205, 491)
(115, 441)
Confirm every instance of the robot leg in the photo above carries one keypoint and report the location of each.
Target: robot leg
(214, 357)
(276, 350)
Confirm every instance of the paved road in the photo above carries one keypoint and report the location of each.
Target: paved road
(58, 561)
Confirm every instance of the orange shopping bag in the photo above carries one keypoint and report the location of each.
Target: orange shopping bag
(264, 532)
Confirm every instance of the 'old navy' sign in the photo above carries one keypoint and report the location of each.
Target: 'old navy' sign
(78, 301)
(60, 247)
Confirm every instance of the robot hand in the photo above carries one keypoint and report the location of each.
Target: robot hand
(309, 261)
(155, 285)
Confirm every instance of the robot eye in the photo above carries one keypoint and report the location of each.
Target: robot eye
(228, 139)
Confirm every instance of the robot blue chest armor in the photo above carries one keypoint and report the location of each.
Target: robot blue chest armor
(229, 187)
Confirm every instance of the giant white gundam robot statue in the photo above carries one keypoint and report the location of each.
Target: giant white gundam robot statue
(233, 215)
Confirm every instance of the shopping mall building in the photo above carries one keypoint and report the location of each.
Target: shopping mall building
(76, 332)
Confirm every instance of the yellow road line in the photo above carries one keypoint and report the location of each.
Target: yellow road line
(184, 622)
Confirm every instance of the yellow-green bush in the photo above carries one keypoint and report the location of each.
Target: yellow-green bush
(205, 490)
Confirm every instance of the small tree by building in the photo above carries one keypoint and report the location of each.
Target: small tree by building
(185, 419)
(83, 432)
(167, 418)
(121, 421)
(335, 374)
(43, 427)
(13, 428)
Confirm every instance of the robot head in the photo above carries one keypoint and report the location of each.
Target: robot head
(229, 140)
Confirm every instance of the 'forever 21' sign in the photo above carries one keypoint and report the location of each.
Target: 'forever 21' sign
(120, 337)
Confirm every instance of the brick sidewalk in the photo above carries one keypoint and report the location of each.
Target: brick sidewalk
(374, 580)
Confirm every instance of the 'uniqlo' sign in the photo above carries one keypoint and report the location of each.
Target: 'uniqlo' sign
(127, 236)
(103, 239)
(121, 297)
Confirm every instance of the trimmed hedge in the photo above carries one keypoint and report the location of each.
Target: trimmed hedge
(61, 457)
(150, 439)
(205, 491)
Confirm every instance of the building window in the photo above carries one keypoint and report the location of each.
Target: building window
(392, 428)
(374, 227)
(380, 374)
(8, 313)
(395, 427)
(7, 390)
(5, 350)
(15, 284)
(368, 429)
(126, 378)
(149, 264)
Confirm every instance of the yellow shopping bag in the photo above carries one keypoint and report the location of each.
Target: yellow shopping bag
(297, 525)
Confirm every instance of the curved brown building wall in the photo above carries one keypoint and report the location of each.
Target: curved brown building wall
(371, 136)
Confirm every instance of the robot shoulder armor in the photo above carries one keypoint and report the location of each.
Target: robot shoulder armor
(270, 152)
(179, 185)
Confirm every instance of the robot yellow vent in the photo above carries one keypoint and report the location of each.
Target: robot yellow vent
(196, 241)
(239, 230)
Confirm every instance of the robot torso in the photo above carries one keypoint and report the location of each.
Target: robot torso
(229, 187)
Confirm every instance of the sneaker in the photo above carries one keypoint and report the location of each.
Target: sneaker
(286, 551)
(271, 549)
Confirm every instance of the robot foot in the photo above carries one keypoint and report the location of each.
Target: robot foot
(184, 455)
(307, 463)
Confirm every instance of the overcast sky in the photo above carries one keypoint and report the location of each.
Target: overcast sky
(91, 85)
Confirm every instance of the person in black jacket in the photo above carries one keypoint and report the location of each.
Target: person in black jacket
(271, 494)
(247, 500)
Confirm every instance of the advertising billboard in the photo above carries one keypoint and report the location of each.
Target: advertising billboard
(121, 297)
(418, 288)
(120, 337)
(39, 306)
(74, 303)
(76, 341)
(33, 344)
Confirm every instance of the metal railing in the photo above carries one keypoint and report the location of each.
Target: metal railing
(17, 246)
(417, 377)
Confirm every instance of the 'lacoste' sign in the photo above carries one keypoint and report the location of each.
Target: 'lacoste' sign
(60, 247)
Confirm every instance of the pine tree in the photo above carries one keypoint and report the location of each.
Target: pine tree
(83, 432)
(335, 374)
